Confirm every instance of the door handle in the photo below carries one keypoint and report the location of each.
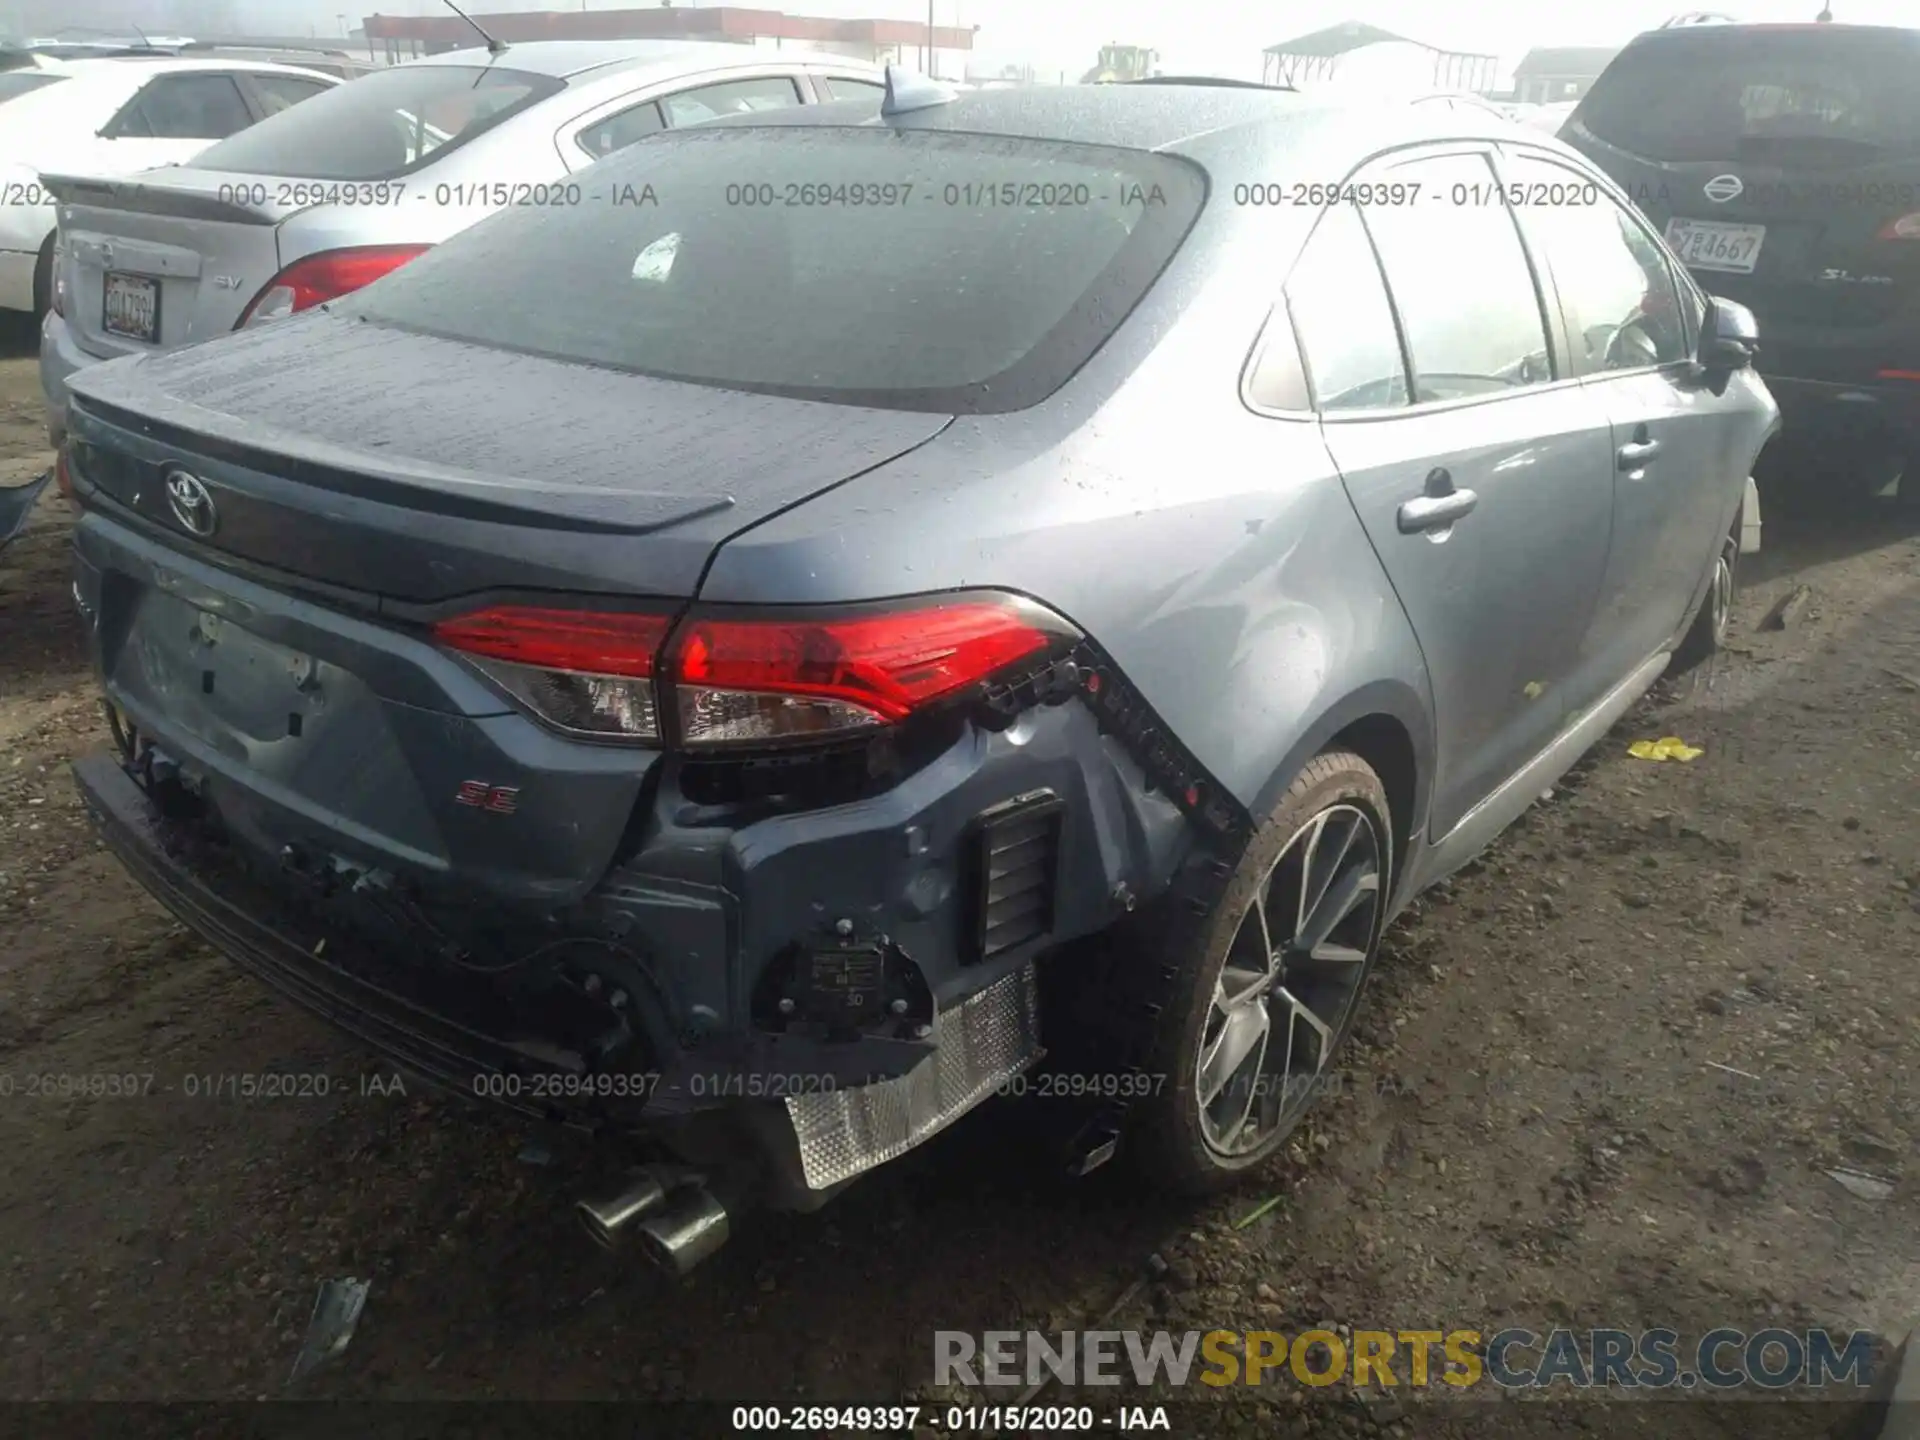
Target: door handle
(1435, 512)
(1634, 456)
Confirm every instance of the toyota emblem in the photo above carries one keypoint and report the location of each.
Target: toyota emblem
(1722, 188)
(191, 503)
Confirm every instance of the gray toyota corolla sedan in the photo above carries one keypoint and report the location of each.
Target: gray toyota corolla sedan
(749, 661)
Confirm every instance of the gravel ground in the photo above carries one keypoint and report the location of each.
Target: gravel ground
(1619, 1056)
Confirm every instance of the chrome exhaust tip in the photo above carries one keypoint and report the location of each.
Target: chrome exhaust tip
(688, 1229)
(610, 1222)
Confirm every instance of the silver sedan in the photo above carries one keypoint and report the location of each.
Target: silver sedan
(314, 203)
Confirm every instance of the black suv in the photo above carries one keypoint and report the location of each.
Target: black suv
(1783, 164)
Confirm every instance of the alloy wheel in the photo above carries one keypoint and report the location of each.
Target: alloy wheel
(1289, 982)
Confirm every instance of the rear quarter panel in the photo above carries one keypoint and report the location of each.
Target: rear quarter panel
(1211, 551)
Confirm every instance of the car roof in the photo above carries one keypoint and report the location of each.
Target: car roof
(1699, 34)
(562, 59)
(175, 64)
(1162, 117)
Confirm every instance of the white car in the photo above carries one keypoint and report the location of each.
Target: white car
(111, 117)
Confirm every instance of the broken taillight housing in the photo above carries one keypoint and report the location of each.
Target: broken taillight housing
(751, 679)
(326, 276)
(768, 680)
(588, 674)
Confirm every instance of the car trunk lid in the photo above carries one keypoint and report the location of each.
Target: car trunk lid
(167, 258)
(364, 482)
(415, 468)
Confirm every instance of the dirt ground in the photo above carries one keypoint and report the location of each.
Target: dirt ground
(1624, 1050)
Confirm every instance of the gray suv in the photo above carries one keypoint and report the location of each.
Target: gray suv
(1023, 570)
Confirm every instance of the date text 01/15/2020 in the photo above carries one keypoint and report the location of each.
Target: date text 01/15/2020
(249, 1085)
(950, 1419)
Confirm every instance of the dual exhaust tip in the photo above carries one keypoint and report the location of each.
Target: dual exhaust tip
(674, 1225)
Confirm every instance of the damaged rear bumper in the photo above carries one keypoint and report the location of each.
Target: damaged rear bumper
(795, 1115)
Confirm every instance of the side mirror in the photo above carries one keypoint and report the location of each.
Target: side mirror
(1729, 337)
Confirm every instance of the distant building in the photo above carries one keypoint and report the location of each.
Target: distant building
(1355, 48)
(899, 41)
(1546, 77)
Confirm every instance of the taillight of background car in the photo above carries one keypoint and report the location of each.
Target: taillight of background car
(760, 679)
(589, 674)
(323, 277)
(1904, 227)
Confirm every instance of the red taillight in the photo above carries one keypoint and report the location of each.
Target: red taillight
(762, 680)
(323, 277)
(744, 681)
(589, 673)
(1903, 227)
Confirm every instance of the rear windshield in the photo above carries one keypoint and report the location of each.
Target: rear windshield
(1803, 95)
(18, 82)
(382, 126)
(912, 271)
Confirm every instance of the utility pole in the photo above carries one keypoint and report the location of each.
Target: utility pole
(933, 63)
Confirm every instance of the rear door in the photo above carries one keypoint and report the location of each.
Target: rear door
(1487, 498)
(1780, 162)
(1630, 324)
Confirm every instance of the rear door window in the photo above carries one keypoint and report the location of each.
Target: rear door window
(205, 106)
(383, 125)
(1461, 283)
(1618, 296)
(734, 97)
(1809, 94)
(1340, 312)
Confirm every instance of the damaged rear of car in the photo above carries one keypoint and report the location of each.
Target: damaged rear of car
(432, 711)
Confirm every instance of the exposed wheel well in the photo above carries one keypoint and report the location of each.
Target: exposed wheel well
(1383, 743)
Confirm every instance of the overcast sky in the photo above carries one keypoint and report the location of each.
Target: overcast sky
(1209, 36)
(1224, 35)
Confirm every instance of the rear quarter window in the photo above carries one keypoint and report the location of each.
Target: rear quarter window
(383, 125)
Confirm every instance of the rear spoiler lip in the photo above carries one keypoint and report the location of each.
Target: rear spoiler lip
(140, 194)
(416, 485)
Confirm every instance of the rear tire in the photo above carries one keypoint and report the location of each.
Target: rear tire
(43, 282)
(1707, 636)
(1272, 973)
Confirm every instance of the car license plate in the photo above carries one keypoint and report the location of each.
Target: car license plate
(132, 307)
(1715, 245)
